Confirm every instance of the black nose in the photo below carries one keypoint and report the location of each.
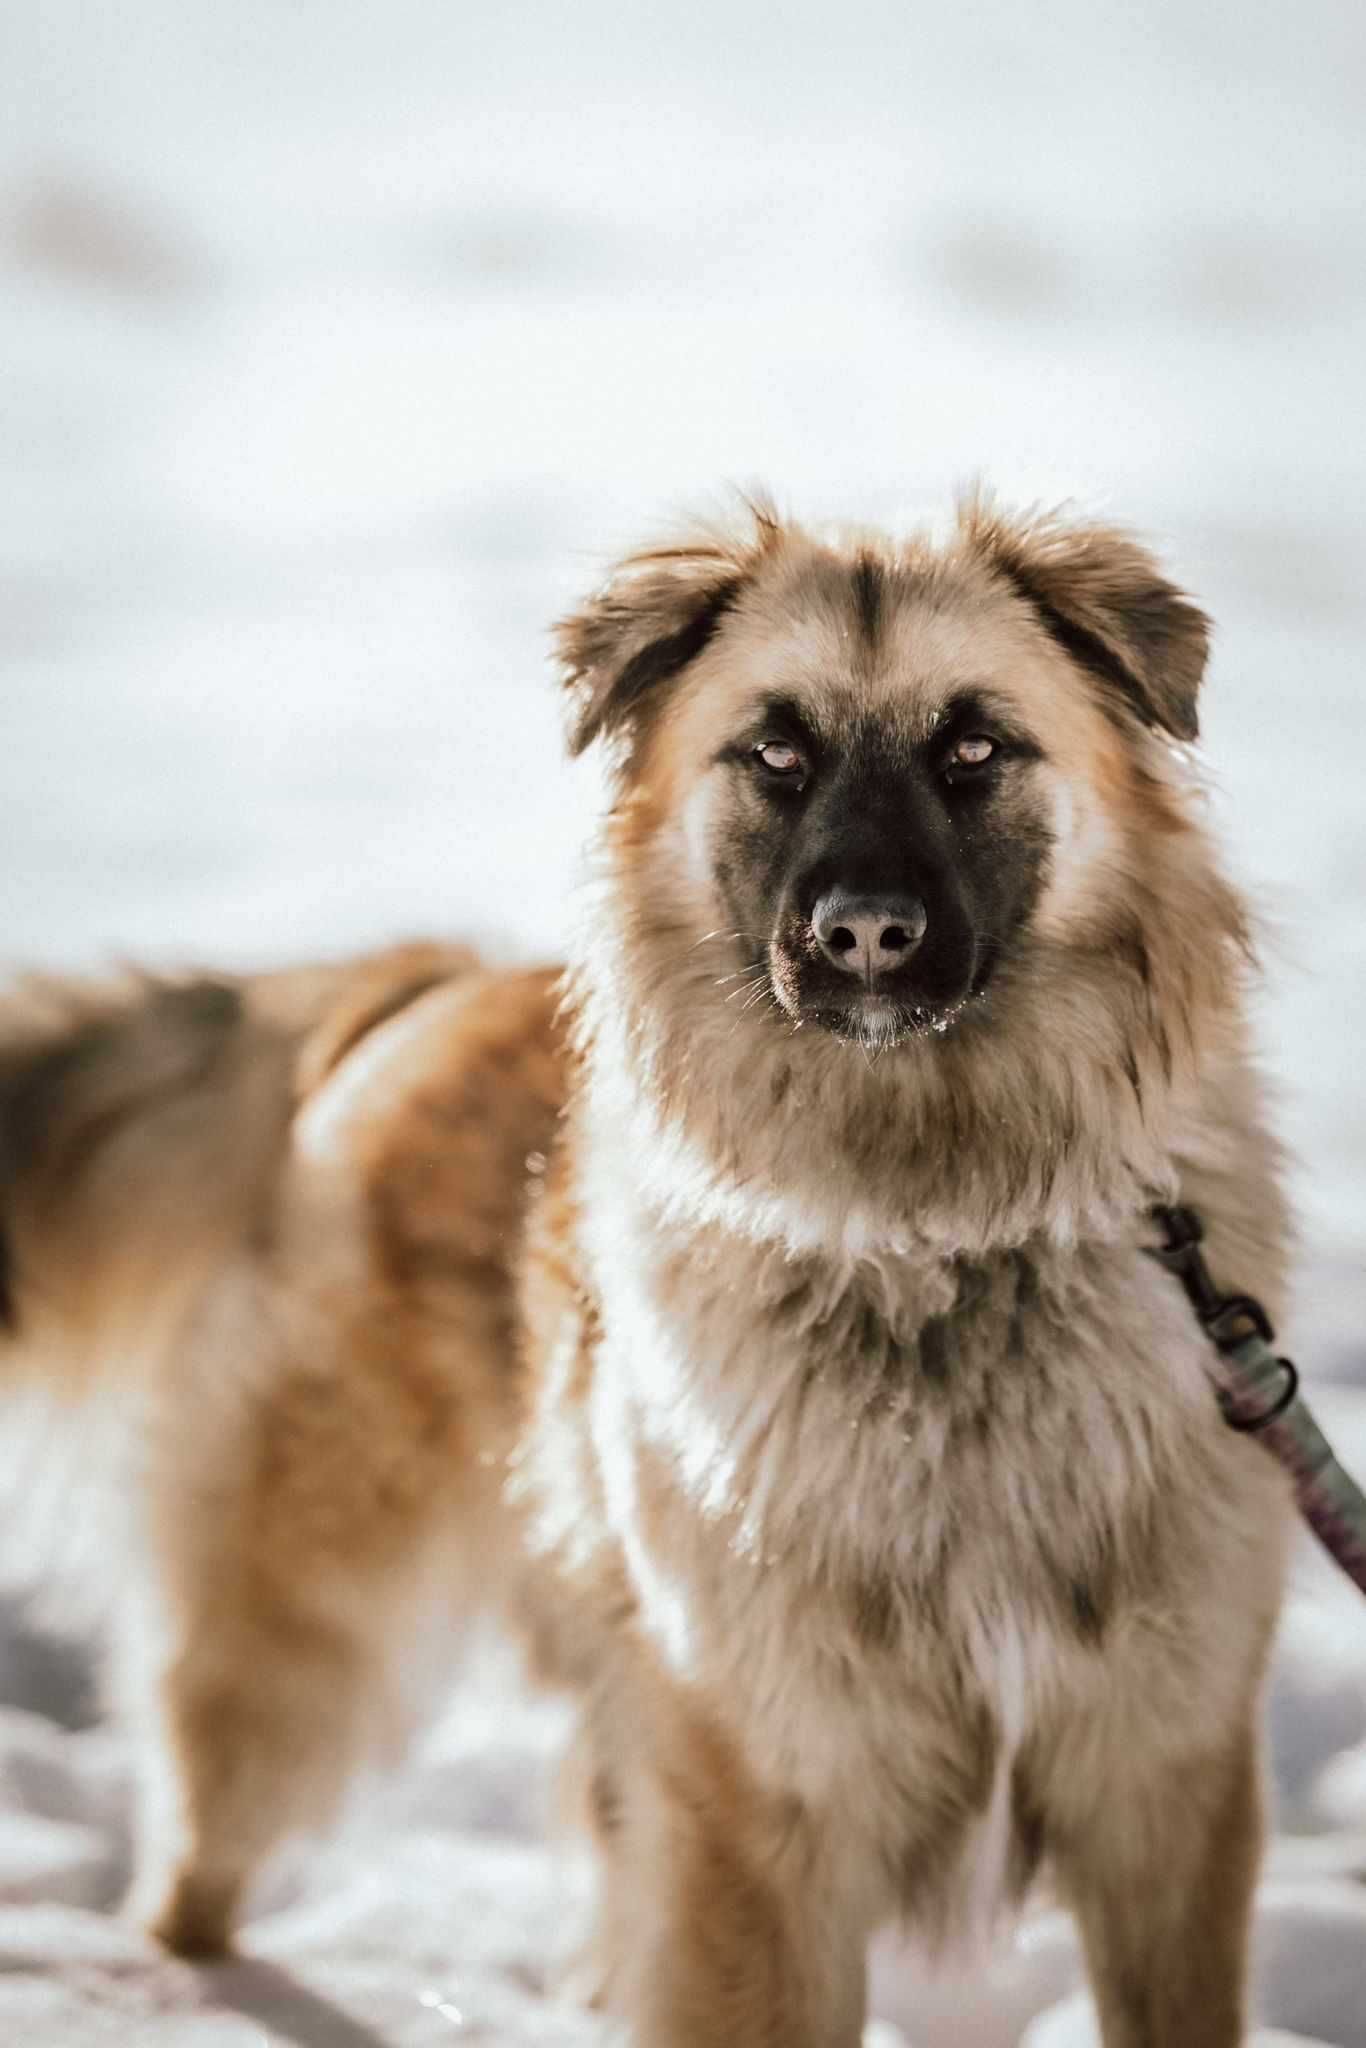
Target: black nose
(870, 936)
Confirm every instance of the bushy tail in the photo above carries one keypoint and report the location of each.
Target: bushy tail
(143, 1125)
(139, 1124)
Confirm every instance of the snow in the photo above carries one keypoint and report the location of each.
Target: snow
(337, 345)
(438, 1913)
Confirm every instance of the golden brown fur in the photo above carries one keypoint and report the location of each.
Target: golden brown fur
(810, 1405)
(228, 1222)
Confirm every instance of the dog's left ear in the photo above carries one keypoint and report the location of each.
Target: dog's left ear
(657, 611)
(1106, 602)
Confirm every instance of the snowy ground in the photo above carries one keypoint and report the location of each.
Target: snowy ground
(336, 345)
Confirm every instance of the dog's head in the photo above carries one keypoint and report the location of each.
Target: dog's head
(878, 776)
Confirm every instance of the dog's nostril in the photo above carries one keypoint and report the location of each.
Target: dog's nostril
(871, 936)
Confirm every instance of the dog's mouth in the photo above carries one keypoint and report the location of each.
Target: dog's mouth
(876, 1024)
(874, 1019)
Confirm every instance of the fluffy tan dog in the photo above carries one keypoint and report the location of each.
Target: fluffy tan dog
(760, 1316)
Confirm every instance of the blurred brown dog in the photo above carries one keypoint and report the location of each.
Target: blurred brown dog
(759, 1316)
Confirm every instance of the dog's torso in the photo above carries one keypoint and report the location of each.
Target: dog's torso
(923, 1538)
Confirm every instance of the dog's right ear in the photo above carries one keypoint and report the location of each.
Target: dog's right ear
(656, 612)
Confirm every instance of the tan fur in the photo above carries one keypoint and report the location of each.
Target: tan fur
(813, 1409)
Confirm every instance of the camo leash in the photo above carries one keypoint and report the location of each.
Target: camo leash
(1259, 1394)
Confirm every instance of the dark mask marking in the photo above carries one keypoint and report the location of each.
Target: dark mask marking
(869, 581)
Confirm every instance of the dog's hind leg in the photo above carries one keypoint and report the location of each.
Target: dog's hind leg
(253, 1730)
(312, 1557)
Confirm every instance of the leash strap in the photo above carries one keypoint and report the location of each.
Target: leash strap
(1259, 1394)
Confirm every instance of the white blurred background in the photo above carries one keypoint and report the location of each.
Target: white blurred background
(340, 342)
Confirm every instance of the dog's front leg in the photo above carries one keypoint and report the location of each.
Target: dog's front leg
(1161, 1879)
(731, 1926)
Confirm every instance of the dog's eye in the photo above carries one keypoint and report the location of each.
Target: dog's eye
(974, 751)
(779, 758)
(970, 757)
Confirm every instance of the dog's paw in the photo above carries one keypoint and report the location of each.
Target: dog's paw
(195, 1918)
